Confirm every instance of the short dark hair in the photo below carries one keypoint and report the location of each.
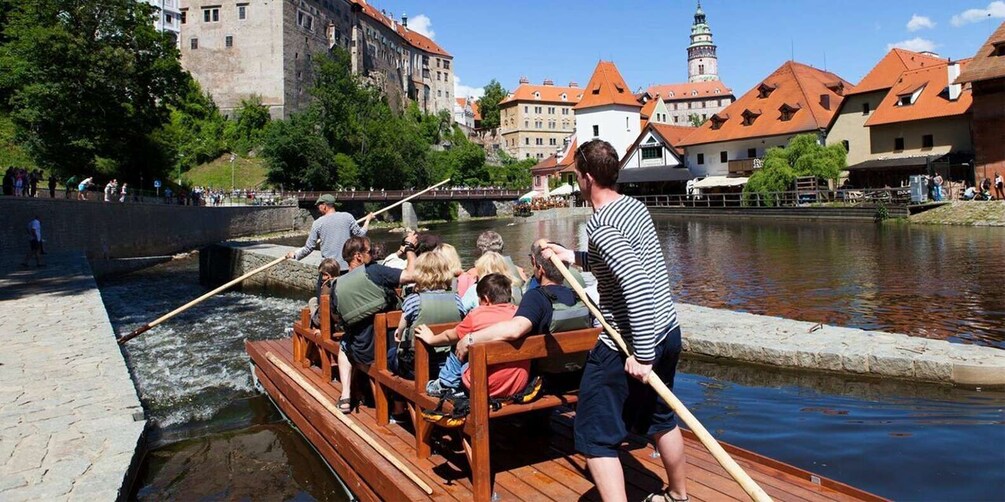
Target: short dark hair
(600, 160)
(550, 270)
(355, 244)
(496, 287)
(426, 242)
(377, 251)
(329, 266)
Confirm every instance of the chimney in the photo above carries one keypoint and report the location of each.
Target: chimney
(548, 81)
(573, 84)
(524, 80)
(404, 20)
(825, 101)
(953, 72)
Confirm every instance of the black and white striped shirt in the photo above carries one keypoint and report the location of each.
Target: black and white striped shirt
(632, 279)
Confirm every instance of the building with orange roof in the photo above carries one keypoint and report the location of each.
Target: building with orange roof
(921, 124)
(986, 76)
(654, 164)
(464, 113)
(608, 110)
(535, 121)
(794, 99)
(862, 100)
(691, 102)
(560, 165)
(238, 50)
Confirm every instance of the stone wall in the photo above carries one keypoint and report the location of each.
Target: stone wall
(127, 230)
(482, 208)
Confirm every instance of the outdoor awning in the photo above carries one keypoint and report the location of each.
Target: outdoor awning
(533, 194)
(654, 174)
(897, 162)
(563, 190)
(720, 181)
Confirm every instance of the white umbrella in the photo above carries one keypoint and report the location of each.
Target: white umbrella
(533, 194)
(563, 190)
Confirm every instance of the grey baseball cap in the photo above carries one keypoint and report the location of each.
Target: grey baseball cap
(326, 199)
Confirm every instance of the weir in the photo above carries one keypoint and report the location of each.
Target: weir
(718, 333)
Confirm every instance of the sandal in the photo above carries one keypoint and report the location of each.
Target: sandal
(666, 497)
(345, 405)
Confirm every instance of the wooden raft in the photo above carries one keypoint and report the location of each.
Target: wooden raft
(530, 460)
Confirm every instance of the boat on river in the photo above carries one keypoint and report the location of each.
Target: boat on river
(516, 452)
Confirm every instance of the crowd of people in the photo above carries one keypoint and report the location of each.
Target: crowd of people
(19, 182)
(494, 300)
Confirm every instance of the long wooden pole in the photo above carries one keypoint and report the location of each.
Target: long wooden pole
(155, 322)
(330, 406)
(746, 482)
(406, 199)
(142, 329)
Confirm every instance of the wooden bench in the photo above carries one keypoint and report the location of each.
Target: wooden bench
(322, 347)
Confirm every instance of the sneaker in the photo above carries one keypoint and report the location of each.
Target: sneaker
(435, 389)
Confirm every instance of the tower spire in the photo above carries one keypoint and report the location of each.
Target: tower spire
(702, 62)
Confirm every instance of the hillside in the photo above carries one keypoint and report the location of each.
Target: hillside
(249, 172)
(975, 213)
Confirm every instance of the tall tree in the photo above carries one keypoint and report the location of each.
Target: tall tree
(87, 81)
(803, 156)
(489, 104)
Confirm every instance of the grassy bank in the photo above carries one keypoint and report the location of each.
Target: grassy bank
(969, 213)
(249, 172)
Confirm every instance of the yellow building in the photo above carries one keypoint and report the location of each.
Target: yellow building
(536, 120)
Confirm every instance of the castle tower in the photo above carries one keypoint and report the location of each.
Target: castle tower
(702, 64)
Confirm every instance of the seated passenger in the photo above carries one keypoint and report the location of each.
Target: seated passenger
(490, 263)
(329, 271)
(490, 241)
(551, 308)
(432, 302)
(364, 291)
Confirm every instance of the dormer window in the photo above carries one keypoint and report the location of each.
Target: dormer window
(718, 119)
(999, 48)
(716, 91)
(749, 116)
(564, 96)
(836, 88)
(909, 98)
(671, 94)
(537, 95)
(596, 89)
(694, 93)
(764, 90)
(619, 88)
(786, 112)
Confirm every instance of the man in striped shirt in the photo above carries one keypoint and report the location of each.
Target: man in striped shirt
(330, 232)
(634, 286)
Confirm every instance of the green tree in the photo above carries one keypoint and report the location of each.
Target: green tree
(695, 120)
(299, 157)
(89, 80)
(196, 128)
(488, 105)
(245, 133)
(804, 156)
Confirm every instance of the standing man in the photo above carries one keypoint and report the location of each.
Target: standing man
(938, 187)
(999, 187)
(34, 243)
(624, 255)
(330, 232)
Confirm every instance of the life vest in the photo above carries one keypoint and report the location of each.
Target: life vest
(576, 274)
(565, 318)
(435, 307)
(514, 271)
(359, 297)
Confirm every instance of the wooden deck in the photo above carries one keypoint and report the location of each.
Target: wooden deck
(531, 459)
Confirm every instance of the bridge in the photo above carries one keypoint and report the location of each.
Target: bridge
(439, 194)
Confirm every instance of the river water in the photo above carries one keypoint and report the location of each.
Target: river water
(214, 437)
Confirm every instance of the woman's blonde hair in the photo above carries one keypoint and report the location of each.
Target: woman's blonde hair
(450, 252)
(433, 270)
(492, 262)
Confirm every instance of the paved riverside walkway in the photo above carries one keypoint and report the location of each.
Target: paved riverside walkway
(70, 420)
(750, 338)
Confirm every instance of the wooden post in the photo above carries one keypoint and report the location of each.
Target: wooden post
(381, 403)
(324, 311)
(481, 470)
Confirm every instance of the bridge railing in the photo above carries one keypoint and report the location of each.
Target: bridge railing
(392, 195)
(886, 196)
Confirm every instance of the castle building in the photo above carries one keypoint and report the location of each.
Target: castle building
(702, 63)
(168, 17)
(237, 48)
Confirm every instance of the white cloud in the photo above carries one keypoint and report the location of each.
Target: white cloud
(919, 23)
(916, 44)
(994, 9)
(463, 91)
(423, 25)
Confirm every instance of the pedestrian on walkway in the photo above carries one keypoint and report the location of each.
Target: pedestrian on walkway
(52, 185)
(634, 286)
(34, 243)
(71, 182)
(83, 186)
(123, 193)
(999, 187)
(938, 187)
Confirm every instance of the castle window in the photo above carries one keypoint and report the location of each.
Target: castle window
(242, 11)
(211, 15)
(229, 41)
(596, 131)
(446, 64)
(194, 43)
(701, 69)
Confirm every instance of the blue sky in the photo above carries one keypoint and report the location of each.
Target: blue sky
(562, 40)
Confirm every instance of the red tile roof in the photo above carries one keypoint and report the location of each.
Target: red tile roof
(607, 87)
(888, 70)
(986, 65)
(474, 108)
(689, 90)
(564, 161)
(547, 93)
(647, 111)
(796, 85)
(413, 38)
(673, 135)
(933, 102)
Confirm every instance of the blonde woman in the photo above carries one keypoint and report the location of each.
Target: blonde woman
(431, 302)
(456, 268)
(490, 262)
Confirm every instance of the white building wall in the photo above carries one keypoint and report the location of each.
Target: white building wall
(616, 124)
(635, 159)
(735, 150)
(169, 17)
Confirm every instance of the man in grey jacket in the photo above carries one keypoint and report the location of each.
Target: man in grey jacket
(330, 231)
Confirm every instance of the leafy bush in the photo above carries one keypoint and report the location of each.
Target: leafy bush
(804, 156)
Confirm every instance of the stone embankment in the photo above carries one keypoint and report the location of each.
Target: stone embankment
(970, 213)
(70, 420)
(736, 336)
